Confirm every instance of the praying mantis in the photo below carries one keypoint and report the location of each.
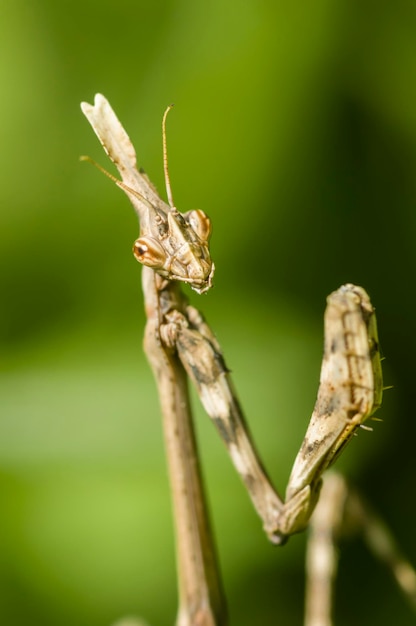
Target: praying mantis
(173, 248)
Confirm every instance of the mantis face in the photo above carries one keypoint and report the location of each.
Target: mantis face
(177, 248)
(174, 244)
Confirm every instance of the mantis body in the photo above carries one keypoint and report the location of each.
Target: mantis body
(174, 248)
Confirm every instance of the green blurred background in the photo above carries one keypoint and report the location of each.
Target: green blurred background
(295, 130)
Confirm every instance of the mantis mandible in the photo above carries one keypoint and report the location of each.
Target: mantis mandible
(174, 248)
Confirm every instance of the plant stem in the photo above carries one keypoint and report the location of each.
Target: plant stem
(201, 597)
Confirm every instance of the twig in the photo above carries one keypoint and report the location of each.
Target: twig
(341, 512)
(321, 552)
(201, 597)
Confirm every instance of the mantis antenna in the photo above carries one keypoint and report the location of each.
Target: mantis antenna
(165, 158)
(118, 182)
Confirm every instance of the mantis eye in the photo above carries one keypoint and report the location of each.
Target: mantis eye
(149, 252)
(200, 223)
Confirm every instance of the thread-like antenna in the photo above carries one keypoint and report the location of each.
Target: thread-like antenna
(165, 159)
(118, 182)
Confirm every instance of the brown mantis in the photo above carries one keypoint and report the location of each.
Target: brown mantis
(174, 248)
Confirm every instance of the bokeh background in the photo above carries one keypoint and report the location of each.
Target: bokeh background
(295, 130)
